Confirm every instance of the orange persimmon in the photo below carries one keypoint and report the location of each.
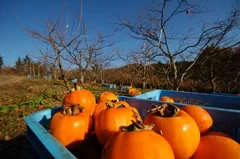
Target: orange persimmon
(137, 141)
(166, 99)
(107, 96)
(217, 133)
(71, 126)
(217, 147)
(201, 116)
(103, 105)
(177, 127)
(111, 119)
(84, 98)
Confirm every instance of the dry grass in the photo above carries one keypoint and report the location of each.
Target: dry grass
(19, 97)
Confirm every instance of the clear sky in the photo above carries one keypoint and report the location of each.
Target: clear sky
(97, 13)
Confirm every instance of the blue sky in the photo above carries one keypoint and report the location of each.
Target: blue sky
(97, 13)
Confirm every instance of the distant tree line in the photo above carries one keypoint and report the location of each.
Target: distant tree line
(1, 62)
(27, 67)
(220, 72)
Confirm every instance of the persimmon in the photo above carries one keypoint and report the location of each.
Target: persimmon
(201, 116)
(84, 98)
(111, 119)
(217, 147)
(133, 92)
(178, 128)
(217, 133)
(99, 107)
(167, 99)
(71, 126)
(103, 105)
(137, 141)
(107, 96)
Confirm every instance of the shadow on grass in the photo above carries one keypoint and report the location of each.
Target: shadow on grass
(17, 147)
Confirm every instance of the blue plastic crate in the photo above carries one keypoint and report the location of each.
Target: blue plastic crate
(225, 94)
(201, 99)
(47, 146)
(109, 85)
(125, 88)
(43, 142)
(74, 80)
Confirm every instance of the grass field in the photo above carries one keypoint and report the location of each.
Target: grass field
(19, 97)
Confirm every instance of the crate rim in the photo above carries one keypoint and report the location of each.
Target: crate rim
(205, 94)
(59, 150)
(183, 104)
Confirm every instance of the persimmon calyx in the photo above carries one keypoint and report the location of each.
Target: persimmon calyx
(114, 101)
(72, 110)
(136, 126)
(164, 110)
(110, 104)
(77, 86)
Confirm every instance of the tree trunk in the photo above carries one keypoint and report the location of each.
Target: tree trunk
(229, 87)
(59, 62)
(30, 70)
(144, 84)
(82, 77)
(62, 72)
(179, 84)
(94, 77)
(131, 84)
(213, 85)
(38, 70)
(167, 81)
(53, 72)
(33, 68)
(176, 88)
(176, 85)
(102, 76)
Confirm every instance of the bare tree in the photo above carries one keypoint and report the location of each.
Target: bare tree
(140, 64)
(57, 36)
(153, 26)
(100, 61)
(1, 62)
(213, 68)
(231, 77)
(88, 52)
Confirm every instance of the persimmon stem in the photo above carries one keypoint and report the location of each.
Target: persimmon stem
(164, 110)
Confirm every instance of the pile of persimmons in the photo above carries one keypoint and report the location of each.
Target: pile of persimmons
(167, 132)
